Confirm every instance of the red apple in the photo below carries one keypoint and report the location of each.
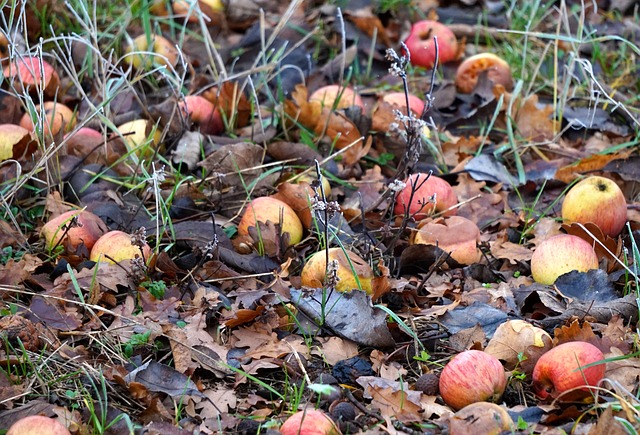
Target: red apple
(562, 369)
(598, 200)
(353, 272)
(309, 422)
(265, 209)
(454, 234)
(345, 97)
(37, 425)
(203, 113)
(472, 376)
(33, 73)
(57, 116)
(116, 246)
(497, 69)
(399, 101)
(88, 230)
(421, 44)
(559, 255)
(425, 188)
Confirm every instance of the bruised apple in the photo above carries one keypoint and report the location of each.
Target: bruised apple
(37, 425)
(562, 369)
(116, 246)
(353, 272)
(87, 231)
(472, 376)
(340, 96)
(265, 209)
(497, 69)
(454, 234)
(309, 422)
(598, 200)
(430, 194)
(559, 255)
(421, 44)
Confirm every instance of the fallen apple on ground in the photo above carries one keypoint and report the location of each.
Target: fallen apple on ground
(498, 71)
(56, 117)
(337, 97)
(116, 246)
(203, 113)
(399, 101)
(420, 204)
(562, 369)
(353, 272)
(598, 200)
(37, 425)
(472, 376)
(31, 73)
(559, 255)
(88, 230)
(455, 235)
(309, 422)
(266, 208)
(421, 44)
(147, 51)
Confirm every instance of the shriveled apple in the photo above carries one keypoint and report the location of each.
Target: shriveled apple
(598, 200)
(63, 231)
(31, 73)
(422, 47)
(56, 117)
(265, 209)
(116, 246)
(559, 255)
(146, 51)
(472, 376)
(430, 194)
(309, 422)
(498, 71)
(338, 97)
(37, 425)
(454, 234)
(352, 271)
(563, 368)
(203, 113)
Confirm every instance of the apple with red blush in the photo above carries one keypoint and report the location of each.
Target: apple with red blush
(421, 43)
(424, 195)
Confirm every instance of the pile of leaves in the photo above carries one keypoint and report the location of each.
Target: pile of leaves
(214, 332)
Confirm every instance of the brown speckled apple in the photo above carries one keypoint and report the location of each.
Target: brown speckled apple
(598, 200)
(559, 255)
(421, 44)
(265, 209)
(420, 205)
(472, 376)
(37, 425)
(309, 422)
(562, 369)
(498, 71)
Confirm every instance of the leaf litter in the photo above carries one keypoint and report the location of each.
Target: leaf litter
(215, 333)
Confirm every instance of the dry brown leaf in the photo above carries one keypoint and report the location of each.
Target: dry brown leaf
(334, 349)
(587, 165)
(514, 252)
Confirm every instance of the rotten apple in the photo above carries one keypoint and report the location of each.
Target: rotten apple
(422, 47)
(472, 376)
(598, 200)
(497, 69)
(563, 368)
(424, 195)
(559, 255)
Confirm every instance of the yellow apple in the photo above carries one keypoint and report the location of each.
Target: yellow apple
(265, 209)
(559, 255)
(598, 200)
(116, 246)
(353, 272)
